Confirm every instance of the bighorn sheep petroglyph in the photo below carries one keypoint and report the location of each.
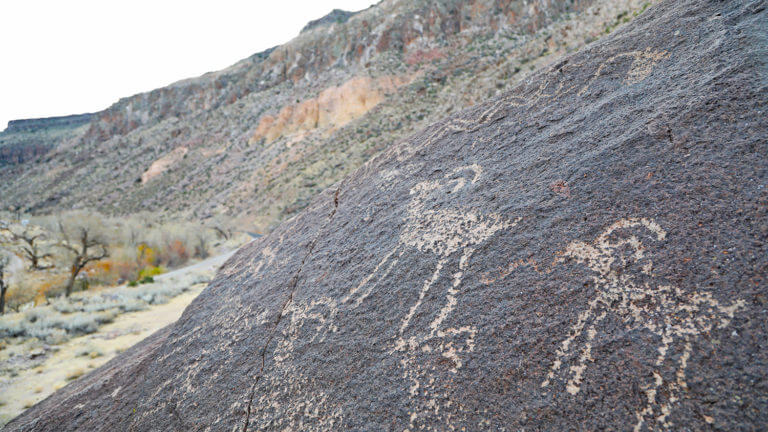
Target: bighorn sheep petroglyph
(666, 311)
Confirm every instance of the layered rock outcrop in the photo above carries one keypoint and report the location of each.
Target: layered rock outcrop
(37, 124)
(25, 140)
(161, 165)
(587, 251)
(332, 108)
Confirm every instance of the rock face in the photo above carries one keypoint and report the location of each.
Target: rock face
(336, 16)
(25, 140)
(332, 108)
(33, 125)
(268, 133)
(587, 251)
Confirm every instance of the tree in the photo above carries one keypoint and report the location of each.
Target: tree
(201, 249)
(30, 246)
(86, 249)
(222, 232)
(3, 285)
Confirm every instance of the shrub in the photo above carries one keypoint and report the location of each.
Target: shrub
(89, 351)
(145, 255)
(75, 374)
(176, 253)
(151, 271)
(10, 328)
(63, 306)
(19, 294)
(48, 335)
(49, 325)
(133, 305)
(98, 304)
(110, 271)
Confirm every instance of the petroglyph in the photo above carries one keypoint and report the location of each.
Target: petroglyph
(448, 233)
(290, 400)
(555, 83)
(501, 273)
(667, 311)
(642, 65)
(310, 321)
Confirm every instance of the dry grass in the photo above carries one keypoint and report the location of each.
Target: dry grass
(67, 361)
(83, 313)
(75, 374)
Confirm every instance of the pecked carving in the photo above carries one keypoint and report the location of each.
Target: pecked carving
(675, 316)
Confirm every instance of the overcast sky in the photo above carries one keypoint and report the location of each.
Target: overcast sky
(68, 57)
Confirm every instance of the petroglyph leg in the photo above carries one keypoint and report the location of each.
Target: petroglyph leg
(565, 346)
(450, 303)
(424, 289)
(359, 288)
(652, 389)
(574, 384)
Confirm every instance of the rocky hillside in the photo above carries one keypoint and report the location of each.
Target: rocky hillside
(265, 135)
(584, 252)
(25, 140)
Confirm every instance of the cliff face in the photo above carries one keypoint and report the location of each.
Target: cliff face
(397, 27)
(333, 108)
(273, 130)
(34, 125)
(24, 141)
(586, 251)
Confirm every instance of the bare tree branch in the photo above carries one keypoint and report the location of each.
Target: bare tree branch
(30, 248)
(3, 285)
(81, 253)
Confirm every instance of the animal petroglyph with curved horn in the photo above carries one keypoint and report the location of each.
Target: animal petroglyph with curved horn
(664, 310)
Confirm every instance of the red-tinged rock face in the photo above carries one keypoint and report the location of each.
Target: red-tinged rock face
(332, 108)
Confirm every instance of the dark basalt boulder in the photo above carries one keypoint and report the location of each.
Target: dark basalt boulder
(586, 252)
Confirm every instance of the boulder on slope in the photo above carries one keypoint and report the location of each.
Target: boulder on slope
(587, 251)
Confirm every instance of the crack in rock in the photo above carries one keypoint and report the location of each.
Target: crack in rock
(294, 283)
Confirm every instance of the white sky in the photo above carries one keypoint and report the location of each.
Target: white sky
(68, 57)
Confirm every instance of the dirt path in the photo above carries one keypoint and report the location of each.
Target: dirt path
(78, 356)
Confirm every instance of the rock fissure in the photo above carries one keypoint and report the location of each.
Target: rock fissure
(294, 284)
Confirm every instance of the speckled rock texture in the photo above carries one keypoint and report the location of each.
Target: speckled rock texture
(586, 252)
(261, 138)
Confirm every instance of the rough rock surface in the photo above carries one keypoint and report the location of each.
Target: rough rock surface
(586, 252)
(36, 124)
(257, 143)
(336, 16)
